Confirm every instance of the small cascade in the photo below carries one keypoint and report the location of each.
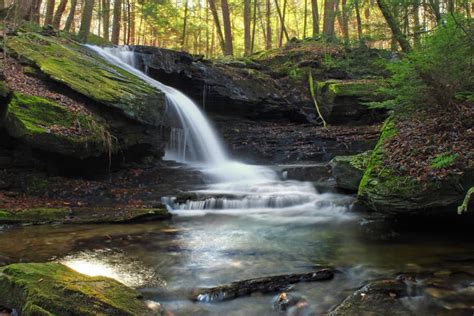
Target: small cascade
(236, 187)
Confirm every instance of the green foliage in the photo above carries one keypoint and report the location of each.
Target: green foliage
(443, 160)
(438, 72)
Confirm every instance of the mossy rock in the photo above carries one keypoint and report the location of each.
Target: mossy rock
(45, 215)
(346, 101)
(348, 170)
(82, 70)
(54, 289)
(47, 126)
(387, 190)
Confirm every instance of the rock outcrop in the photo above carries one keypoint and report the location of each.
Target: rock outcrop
(70, 102)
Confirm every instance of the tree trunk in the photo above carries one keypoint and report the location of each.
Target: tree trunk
(106, 19)
(416, 22)
(282, 23)
(23, 10)
(59, 14)
(132, 22)
(124, 21)
(329, 19)
(283, 26)
(254, 25)
(392, 23)
(70, 17)
(48, 19)
(86, 20)
(359, 21)
(345, 22)
(268, 41)
(35, 11)
(247, 39)
(305, 19)
(215, 16)
(229, 50)
(116, 22)
(185, 21)
(315, 13)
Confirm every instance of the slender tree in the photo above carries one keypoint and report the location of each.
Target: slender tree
(86, 20)
(116, 22)
(282, 24)
(329, 19)
(358, 19)
(185, 22)
(215, 16)
(59, 13)
(315, 14)
(268, 40)
(70, 17)
(48, 19)
(254, 25)
(106, 19)
(229, 50)
(247, 39)
(392, 23)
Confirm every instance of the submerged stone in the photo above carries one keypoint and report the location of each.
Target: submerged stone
(54, 289)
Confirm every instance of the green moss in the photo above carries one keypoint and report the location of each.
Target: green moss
(51, 288)
(379, 178)
(443, 160)
(361, 161)
(83, 71)
(45, 125)
(34, 216)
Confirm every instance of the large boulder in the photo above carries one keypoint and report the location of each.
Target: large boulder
(51, 127)
(83, 71)
(54, 289)
(348, 170)
(389, 190)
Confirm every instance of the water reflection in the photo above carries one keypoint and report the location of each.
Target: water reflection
(112, 264)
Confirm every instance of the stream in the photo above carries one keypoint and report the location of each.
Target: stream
(247, 222)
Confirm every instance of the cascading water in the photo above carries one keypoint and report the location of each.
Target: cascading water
(238, 188)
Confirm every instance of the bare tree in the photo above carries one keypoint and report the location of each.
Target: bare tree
(48, 19)
(106, 19)
(116, 22)
(247, 39)
(229, 50)
(59, 13)
(315, 13)
(329, 18)
(86, 20)
(70, 17)
(394, 27)
(268, 41)
(215, 16)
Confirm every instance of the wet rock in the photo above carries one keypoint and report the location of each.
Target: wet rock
(82, 215)
(229, 87)
(305, 172)
(52, 288)
(285, 301)
(348, 170)
(377, 298)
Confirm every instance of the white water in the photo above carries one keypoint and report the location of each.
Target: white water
(238, 188)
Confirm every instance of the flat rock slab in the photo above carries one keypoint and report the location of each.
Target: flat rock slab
(82, 215)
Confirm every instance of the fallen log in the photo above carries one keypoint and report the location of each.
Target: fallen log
(269, 284)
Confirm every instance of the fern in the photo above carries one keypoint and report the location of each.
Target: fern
(443, 160)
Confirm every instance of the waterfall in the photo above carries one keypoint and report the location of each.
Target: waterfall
(237, 187)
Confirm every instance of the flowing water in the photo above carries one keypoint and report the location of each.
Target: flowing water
(246, 223)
